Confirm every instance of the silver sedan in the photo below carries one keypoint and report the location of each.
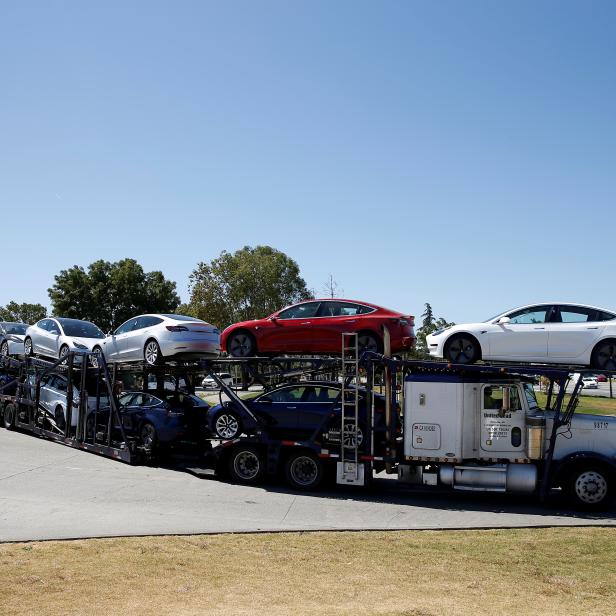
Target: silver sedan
(12, 338)
(155, 337)
(55, 337)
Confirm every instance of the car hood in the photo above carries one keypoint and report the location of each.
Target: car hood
(15, 337)
(89, 342)
(462, 327)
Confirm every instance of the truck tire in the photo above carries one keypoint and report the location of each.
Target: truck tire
(246, 465)
(304, 471)
(8, 417)
(589, 486)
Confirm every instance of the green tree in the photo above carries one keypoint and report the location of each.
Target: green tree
(23, 313)
(110, 293)
(248, 284)
(429, 324)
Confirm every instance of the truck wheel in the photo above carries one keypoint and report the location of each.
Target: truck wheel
(589, 486)
(304, 471)
(246, 465)
(9, 416)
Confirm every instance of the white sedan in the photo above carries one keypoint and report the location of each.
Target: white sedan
(557, 333)
(155, 337)
(56, 336)
(12, 338)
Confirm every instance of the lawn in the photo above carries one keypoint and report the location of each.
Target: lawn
(594, 405)
(402, 573)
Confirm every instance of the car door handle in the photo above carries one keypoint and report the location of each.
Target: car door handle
(351, 321)
(291, 407)
(539, 328)
(592, 328)
(305, 323)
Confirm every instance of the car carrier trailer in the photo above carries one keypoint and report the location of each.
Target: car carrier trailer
(455, 427)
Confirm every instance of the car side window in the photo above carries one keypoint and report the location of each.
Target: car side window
(320, 394)
(301, 311)
(148, 322)
(341, 309)
(604, 316)
(43, 324)
(125, 327)
(574, 314)
(290, 394)
(125, 399)
(529, 316)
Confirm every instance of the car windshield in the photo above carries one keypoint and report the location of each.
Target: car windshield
(15, 328)
(80, 329)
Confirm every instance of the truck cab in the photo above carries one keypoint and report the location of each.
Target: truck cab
(484, 432)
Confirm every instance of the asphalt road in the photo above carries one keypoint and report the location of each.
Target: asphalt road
(49, 491)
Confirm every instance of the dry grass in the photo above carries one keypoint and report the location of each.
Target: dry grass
(531, 571)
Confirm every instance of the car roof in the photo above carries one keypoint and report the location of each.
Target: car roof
(554, 304)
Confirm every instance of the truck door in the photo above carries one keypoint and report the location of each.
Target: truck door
(502, 421)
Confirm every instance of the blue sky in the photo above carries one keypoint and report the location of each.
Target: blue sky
(461, 153)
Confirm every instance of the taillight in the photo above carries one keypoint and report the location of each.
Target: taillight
(177, 328)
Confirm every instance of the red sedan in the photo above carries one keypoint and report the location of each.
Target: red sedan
(316, 326)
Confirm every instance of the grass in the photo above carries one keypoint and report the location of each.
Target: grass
(594, 405)
(403, 573)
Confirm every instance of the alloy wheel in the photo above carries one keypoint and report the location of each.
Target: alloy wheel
(606, 356)
(151, 352)
(240, 345)
(462, 351)
(227, 426)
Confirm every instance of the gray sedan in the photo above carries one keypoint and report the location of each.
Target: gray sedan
(155, 337)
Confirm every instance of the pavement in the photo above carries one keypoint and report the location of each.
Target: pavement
(50, 491)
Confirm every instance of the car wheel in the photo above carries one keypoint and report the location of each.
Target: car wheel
(369, 342)
(246, 465)
(60, 419)
(352, 435)
(304, 471)
(241, 344)
(151, 353)
(8, 418)
(604, 355)
(227, 425)
(148, 437)
(94, 358)
(462, 349)
(4, 349)
(589, 486)
(28, 348)
(63, 352)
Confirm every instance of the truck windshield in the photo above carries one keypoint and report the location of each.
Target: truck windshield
(530, 396)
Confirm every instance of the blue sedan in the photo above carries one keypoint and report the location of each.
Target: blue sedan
(159, 419)
(294, 412)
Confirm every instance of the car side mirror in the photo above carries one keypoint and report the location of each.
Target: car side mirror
(274, 319)
(504, 320)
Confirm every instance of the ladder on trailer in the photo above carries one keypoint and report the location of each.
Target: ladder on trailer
(349, 470)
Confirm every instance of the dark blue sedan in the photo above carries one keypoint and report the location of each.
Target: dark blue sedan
(294, 412)
(158, 419)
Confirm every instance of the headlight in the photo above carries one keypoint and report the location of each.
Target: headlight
(78, 345)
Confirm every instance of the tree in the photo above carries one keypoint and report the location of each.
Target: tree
(331, 288)
(248, 284)
(110, 293)
(23, 313)
(429, 324)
